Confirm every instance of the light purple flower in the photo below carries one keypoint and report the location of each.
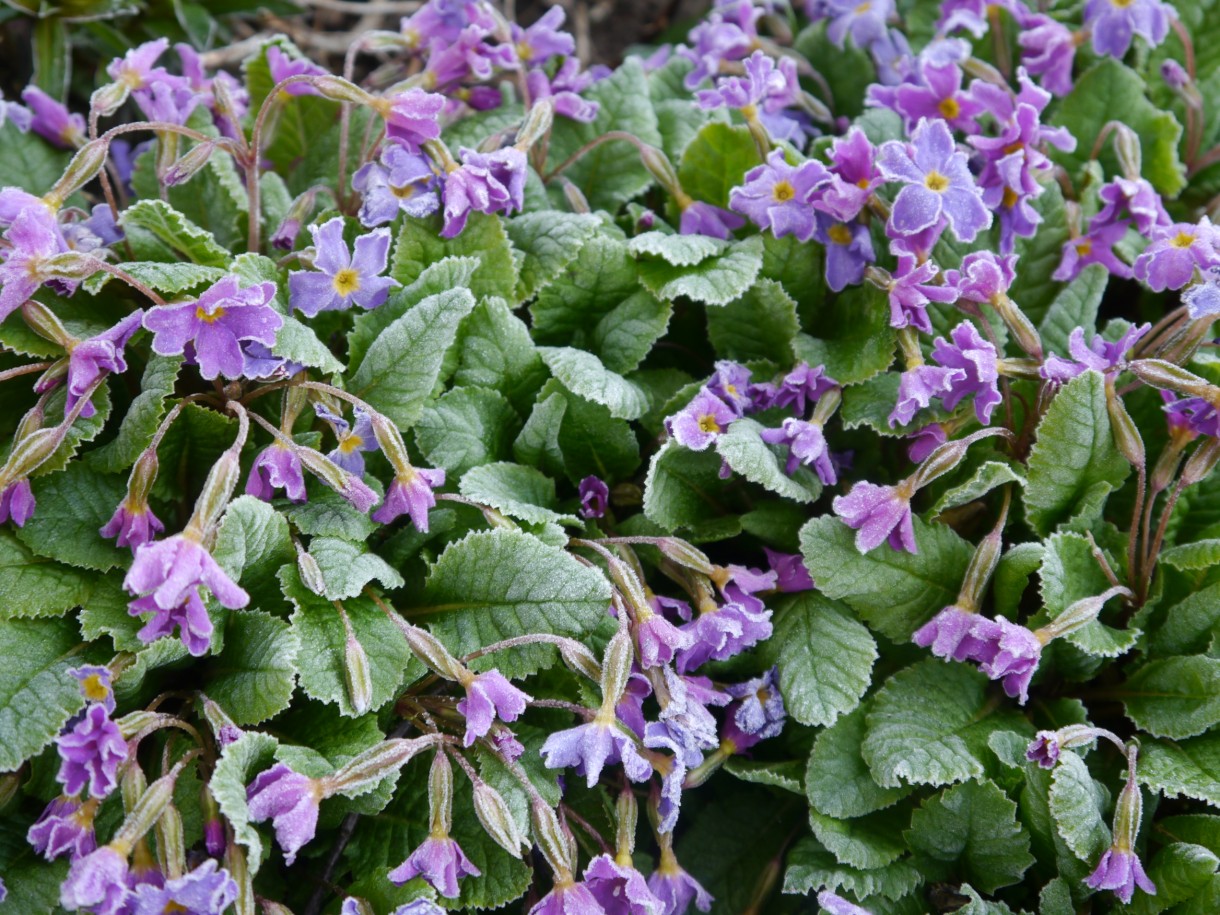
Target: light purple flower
(437, 20)
(721, 631)
(676, 888)
(591, 747)
(34, 239)
(1100, 355)
(440, 861)
(343, 278)
(95, 685)
(801, 387)
(977, 362)
(1175, 251)
(170, 569)
(290, 801)
(1048, 49)
(215, 324)
(701, 218)
(766, 85)
(568, 898)
(543, 40)
(489, 696)
(1203, 299)
(924, 441)
(17, 502)
(940, 96)
(697, 425)
(13, 113)
(91, 753)
(911, 289)
(1045, 749)
(790, 572)
(189, 615)
(411, 495)
(97, 882)
(90, 359)
(282, 67)
(777, 196)
(1115, 22)
(918, 387)
(207, 890)
(834, 904)
(877, 514)
(136, 69)
(132, 525)
(564, 88)
(52, 121)
(1094, 247)
(470, 57)
(352, 439)
(276, 467)
(1004, 651)
(659, 639)
(65, 827)
(731, 384)
(1120, 871)
(864, 22)
(412, 117)
(937, 182)
(983, 277)
(727, 33)
(1195, 414)
(485, 183)
(854, 176)
(806, 445)
(1130, 199)
(594, 497)
(620, 888)
(849, 249)
(401, 181)
(758, 712)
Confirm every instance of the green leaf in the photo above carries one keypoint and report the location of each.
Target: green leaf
(855, 340)
(837, 781)
(1193, 557)
(328, 514)
(1075, 306)
(682, 488)
(140, 423)
(1108, 90)
(917, 724)
(402, 366)
(987, 476)
(495, 351)
(37, 696)
(610, 173)
(628, 332)
(538, 443)
(1174, 697)
(297, 342)
(1069, 573)
(514, 490)
(72, 506)
(153, 226)
(1190, 625)
(1077, 803)
(1182, 873)
(239, 763)
(893, 592)
(466, 427)
(716, 161)
(591, 440)
(864, 843)
(676, 250)
(549, 241)
(716, 280)
(167, 278)
(762, 324)
(743, 449)
(254, 676)
(1183, 768)
(251, 545)
(971, 831)
(1033, 289)
(584, 375)
(497, 584)
(825, 658)
(811, 867)
(32, 883)
(27, 161)
(602, 276)
(347, 567)
(82, 431)
(785, 775)
(33, 586)
(1074, 464)
(321, 665)
(420, 246)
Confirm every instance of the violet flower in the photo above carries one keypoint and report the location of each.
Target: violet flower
(34, 238)
(802, 387)
(436, 20)
(132, 525)
(878, 514)
(290, 801)
(937, 182)
(983, 277)
(1195, 414)
(1120, 871)
(722, 631)
(276, 467)
(777, 196)
(790, 572)
(940, 96)
(543, 40)
(281, 67)
(189, 616)
(977, 362)
(135, 69)
(91, 753)
(731, 384)
(758, 712)
(95, 685)
(399, 182)
(727, 33)
(1170, 260)
(676, 888)
(352, 439)
(568, 898)
(849, 249)
(15, 114)
(1130, 199)
(1203, 299)
(834, 904)
(591, 747)
(1048, 50)
(411, 495)
(411, 117)
(1100, 355)
(864, 22)
(97, 882)
(89, 359)
(564, 88)
(1115, 22)
(620, 889)
(485, 183)
(215, 324)
(489, 696)
(911, 289)
(1094, 247)
(470, 57)
(1044, 749)
(854, 176)
(207, 890)
(440, 861)
(699, 218)
(52, 121)
(658, 639)
(17, 502)
(767, 85)
(1004, 651)
(343, 278)
(697, 425)
(65, 827)
(924, 441)
(594, 497)
(918, 387)
(806, 445)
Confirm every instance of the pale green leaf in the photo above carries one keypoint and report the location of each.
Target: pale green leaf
(1077, 804)
(254, 675)
(1174, 697)
(717, 280)
(549, 241)
(37, 695)
(347, 567)
(1183, 768)
(584, 375)
(762, 324)
(466, 427)
(72, 507)
(515, 490)
(34, 586)
(837, 780)
(162, 225)
(140, 423)
(743, 449)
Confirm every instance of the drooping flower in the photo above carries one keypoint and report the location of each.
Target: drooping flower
(52, 121)
(290, 800)
(565, 87)
(1004, 651)
(619, 888)
(790, 572)
(937, 182)
(853, 176)
(65, 827)
(675, 887)
(699, 218)
(132, 525)
(484, 183)
(1194, 414)
(538, 43)
(1120, 871)
(411, 495)
(594, 497)
(864, 22)
(352, 439)
(720, 631)
(697, 425)
(801, 387)
(489, 695)
(33, 239)
(1100, 355)
(911, 289)
(758, 710)
(91, 358)
(1094, 247)
(1045, 749)
(97, 882)
(727, 33)
(17, 502)
(1170, 260)
(343, 278)
(924, 441)
(470, 57)
(282, 67)
(91, 753)
(918, 387)
(1048, 50)
(877, 514)
(189, 616)
(1131, 199)
(849, 249)
(983, 277)
(976, 361)
(777, 196)
(215, 324)
(806, 445)
(399, 182)
(1115, 22)
(658, 639)
(440, 861)
(276, 467)
(568, 898)
(590, 747)
(95, 685)
(411, 117)
(207, 890)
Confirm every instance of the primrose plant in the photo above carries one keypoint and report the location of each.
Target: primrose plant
(802, 436)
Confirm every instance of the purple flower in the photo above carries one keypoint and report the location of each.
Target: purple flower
(276, 467)
(64, 828)
(564, 88)
(412, 117)
(918, 387)
(849, 249)
(170, 570)
(937, 182)
(1202, 300)
(215, 324)
(91, 753)
(940, 96)
(766, 85)
(911, 289)
(1004, 651)
(658, 639)
(924, 441)
(95, 685)
(731, 384)
(620, 888)
(877, 514)
(802, 387)
(727, 33)
(440, 861)
(1100, 355)
(865, 22)
(1045, 749)
(402, 181)
(701, 218)
(290, 801)
(983, 277)
(568, 898)
(17, 502)
(1120, 870)
(485, 183)
(132, 525)
(489, 695)
(342, 279)
(189, 615)
(777, 196)
(282, 67)
(411, 495)
(543, 40)
(834, 904)
(594, 497)
(1094, 247)
(676, 888)
(806, 445)
(721, 631)
(790, 572)
(135, 69)
(470, 57)
(976, 361)
(853, 178)
(591, 747)
(700, 422)
(1115, 22)
(34, 238)
(1048, 49)
(758, 712)
(52, 121)
(1175, 251)
(1195, 414)
(14, 113)
(97, 882)
(437, 20)
(1133, 199)
(90, 359)
(352, 440)
(207, 890)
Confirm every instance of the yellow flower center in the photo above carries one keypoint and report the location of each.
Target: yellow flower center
(95, 690)
(209, 317)
(346, 281)
(402, 193)
(864, 7)
(1183, 240)
(1010, 198)
(525, 52)
(935, 181)
(707, 423)
(1121, 4)
(949, 108)
(172, 908)
(783, 190)
(1084, 247)
(839, 234)
(350, 443)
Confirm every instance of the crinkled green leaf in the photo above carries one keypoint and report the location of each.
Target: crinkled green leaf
(347, 567)
(72, 507)
(1183, 768)
(683, 488)
(854, 340)
(140, 422)
(987, 476)
(515, 490)
(866, 843)
(495, 351)
(1174, 697)
(715, 162)
(251, 545)
(34, 586)
(627, 333)
(1075, 306)
(676, 250)
(837, 780)
(419, 246)
(762, 324)
(548, 241)
(1069, 573)
(716, 280)
(254, 675)
(811, 867)
(36, 693)
(154, 227)
(746, 453)
(585, 376)
(466, 427)
(1189, 625)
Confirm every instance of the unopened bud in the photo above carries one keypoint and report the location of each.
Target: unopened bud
(580, 659)
(1169, 377)
(340, 90)
(53, 377)
(575, 197)
(616, 668)
(217, 490)
(497, 819)
(1078, 615)
(428, 648)
(223, 727)
(31, 452)
(627, 813)
(171, 844)
(322, 467)
(1126, 435)
(1127, 146)
(83, 168)
(628, 584)
(948, 456)
(982, 565)
(685, 555)
(213, 825)
(826, 406)
(556, 846)
(390, 441)
(659, 167)
(310, 572)
(143, 476)
(878, 277)
(285, 236)
(107, 100)
(537, 125)
(132, 787)
(440, 794)
(70, 265)
(1129, 810)
(239, 869)
(10, 783)
(42, 321)
(149, 808)
(186, 167)
(358, 906)
(362, 773)
(356, 669)
(1201, 462)
(1021, 328)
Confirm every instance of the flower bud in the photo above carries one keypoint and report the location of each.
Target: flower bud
(1021, 328)
(53, 376)
(186, 167)
(340, 90)
(948, 456)
(428, 648)
(1169, 377)
(1130, 808)
(1127, 146)
(107, 100)
(239, 869)
(497, 819)
(628, 584)
(580, 659)
(213, 826)
(149, 808)
(223, 727)
(1126, 435)
(392, 446)
(1078, 615)
(826, 406)
(361, 907)
(31, 452)
(616, 668)
(217, 490)
(575, 197)
(685, 555)
(132, 787)
(362, 773)
(171, 844)
(42, 321)
(1201, 462)
(659, 167)
(10, 784)
(70, 265)
(440, 794)
(83, 168)
(310, 572)
(356, 668)
(556, 845)
(982, 565)
(537, 124)
(627, 813)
